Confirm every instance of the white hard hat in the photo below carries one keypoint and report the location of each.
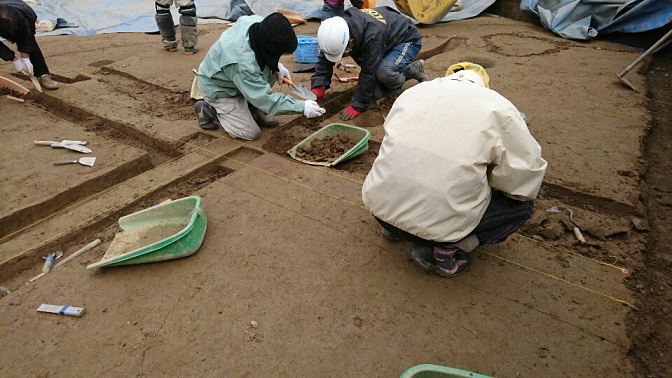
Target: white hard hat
(333, 37)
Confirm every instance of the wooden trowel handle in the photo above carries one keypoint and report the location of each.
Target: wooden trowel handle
(43, 142)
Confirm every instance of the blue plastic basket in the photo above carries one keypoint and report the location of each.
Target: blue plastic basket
(307, 50)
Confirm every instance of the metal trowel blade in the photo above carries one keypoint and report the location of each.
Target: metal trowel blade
(303, 92)
(87, 161)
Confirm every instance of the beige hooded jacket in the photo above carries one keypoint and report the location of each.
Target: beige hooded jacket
(447, 142)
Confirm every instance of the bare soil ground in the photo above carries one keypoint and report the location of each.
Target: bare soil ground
(294, 278)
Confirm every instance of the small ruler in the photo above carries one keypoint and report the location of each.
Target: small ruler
(62, 310)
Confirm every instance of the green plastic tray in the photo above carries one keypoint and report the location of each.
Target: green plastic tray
(164, 232)
(358, 135)
(438, 371)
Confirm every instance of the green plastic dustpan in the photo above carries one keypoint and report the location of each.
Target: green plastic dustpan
(438, 371)
(164, 232)
(357, 135)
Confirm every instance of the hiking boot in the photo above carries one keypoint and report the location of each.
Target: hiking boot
(47, 83)
(423, 255)
(450, 262)
(207, 115)
(188, 32)
(416, 70)
(190, 50)
(261, 119)
(389, 235)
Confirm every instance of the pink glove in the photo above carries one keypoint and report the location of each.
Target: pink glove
(349, 113)
(319, 92)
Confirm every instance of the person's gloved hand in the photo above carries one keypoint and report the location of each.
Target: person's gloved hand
(18, 64)
(283, 72)
(29, 66)
(349, 113)
(319, 92)
(311, 109)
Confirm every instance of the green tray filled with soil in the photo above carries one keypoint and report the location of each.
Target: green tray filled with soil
(331, 145)
(166, 231)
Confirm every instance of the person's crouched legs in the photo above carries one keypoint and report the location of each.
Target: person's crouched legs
(235, 117)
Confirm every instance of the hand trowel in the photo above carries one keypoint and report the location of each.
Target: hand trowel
(88, 161)
(300, 90)
(75, 145)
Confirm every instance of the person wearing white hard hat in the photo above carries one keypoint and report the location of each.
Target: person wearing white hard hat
(237, 75)
(457, 168)
(382, 41)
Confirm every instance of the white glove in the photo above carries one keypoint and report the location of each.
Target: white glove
(29, 66)
(311, 109)
(283, 72)
(18, 64)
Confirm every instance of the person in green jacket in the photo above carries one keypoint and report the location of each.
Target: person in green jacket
(237, 74)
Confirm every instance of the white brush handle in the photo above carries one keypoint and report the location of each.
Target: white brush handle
(43, 142)
(84, 249)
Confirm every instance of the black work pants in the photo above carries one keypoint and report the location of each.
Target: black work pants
(502, 218)
(39, 64)
(36, 57)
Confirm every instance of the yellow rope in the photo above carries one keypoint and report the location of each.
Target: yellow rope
(559, 279)
(623, 270)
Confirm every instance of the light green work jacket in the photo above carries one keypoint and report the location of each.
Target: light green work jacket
(230, 69)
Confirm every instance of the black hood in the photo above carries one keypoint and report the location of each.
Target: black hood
(271, 38)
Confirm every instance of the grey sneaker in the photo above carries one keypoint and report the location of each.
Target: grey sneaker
(416, 70)
(47, 82)
(190, 50)
(207, 115)
(169, 45)
(423, 255)
(449, 262)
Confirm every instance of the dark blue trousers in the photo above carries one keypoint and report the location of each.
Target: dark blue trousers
(501, 219)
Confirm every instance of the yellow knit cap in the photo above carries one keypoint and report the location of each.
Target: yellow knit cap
(472, 67)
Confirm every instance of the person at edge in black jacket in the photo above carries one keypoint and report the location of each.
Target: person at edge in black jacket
(17, 25)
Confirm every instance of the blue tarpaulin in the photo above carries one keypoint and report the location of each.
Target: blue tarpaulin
(584, 19)
(97, 17)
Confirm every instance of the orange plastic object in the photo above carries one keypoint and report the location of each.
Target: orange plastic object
(13, 85)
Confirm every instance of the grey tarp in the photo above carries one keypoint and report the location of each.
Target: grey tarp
(584, 19)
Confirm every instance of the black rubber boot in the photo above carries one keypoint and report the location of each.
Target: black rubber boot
(261, 119)
(416, 70)
(207, 115)
(189, 34)
(164, 21)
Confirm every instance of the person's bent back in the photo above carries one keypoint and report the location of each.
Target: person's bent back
(457, 168)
